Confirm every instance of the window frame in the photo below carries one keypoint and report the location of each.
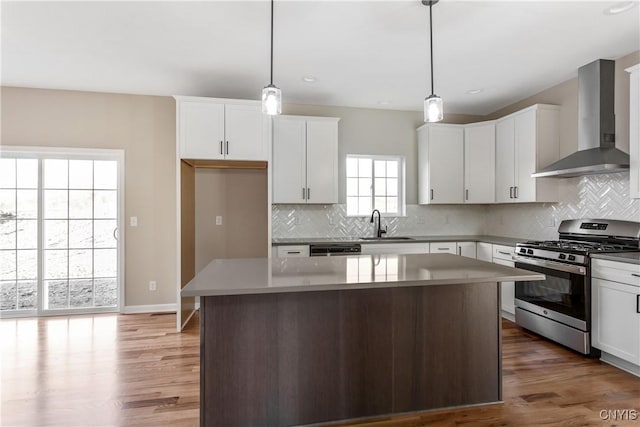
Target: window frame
(402, 188)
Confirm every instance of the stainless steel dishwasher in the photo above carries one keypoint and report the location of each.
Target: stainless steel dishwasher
(335, 249)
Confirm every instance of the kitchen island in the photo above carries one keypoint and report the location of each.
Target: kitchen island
(294, 341)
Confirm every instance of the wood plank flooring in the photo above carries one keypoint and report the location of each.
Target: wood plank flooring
(135, 370)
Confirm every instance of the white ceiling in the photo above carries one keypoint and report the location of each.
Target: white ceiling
(361, 52)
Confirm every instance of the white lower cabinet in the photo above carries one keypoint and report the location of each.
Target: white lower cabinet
(292, 251)
(484, 252)
(615, 311)
(443, 248)
(394, 248)
(502, 255)
(466, 249)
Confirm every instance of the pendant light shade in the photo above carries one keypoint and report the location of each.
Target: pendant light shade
(271, 95)
(433, 111)
(433, 107)
(271, 100)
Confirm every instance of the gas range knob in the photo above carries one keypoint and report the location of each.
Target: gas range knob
(562, 256)
(530, 251)
(523, 251)
(572, 257)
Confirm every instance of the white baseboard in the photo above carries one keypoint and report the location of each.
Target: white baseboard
(620, 363)
(509, 316)
(152, 308)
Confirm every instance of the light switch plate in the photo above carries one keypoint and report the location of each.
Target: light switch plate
(218, 220)
(133, 221)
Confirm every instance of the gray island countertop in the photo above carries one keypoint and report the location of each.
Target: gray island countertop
(279, 275)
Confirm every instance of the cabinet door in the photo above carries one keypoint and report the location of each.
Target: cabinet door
(505, 157)
(525, 155)
(616, 321)
(507, 290)
(201, 130)
(322, 161)
(467, 249)
(479, 163)
(485, 252)
(446, 164)
(289, 160)
(443, 248)
(243, 133)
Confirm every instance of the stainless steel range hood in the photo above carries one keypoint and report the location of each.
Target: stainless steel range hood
(597, 152)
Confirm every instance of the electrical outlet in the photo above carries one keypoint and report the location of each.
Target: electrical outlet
(296, 220)
(152, 285)
(420, 220)
(218, 220)
(133, 221)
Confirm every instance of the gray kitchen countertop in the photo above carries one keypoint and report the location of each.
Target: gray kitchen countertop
(498, 240)
(251, 276)
(628, 257)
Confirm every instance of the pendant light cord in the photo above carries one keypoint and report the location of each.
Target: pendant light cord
(271, 79)
(430, 43)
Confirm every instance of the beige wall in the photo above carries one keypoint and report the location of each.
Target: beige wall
(566, 95)
(144, 127)
(239, 196)
(372, 131)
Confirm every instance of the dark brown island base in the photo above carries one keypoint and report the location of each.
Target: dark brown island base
(296, 341)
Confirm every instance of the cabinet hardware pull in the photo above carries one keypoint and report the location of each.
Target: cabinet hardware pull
(443, 249)
(308, 193)
(293, 252)
(637, 303)
(515, 192)
(466, 194)
(635, 275)
(504, 253)
(459, 250)
(511, 192)
(221, 147)
(227, 147)
(432, 194)
(303, 193)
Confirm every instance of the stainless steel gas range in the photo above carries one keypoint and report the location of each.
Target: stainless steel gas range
(559, 307)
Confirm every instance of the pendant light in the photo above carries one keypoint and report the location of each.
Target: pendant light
(433, 110)
(271, 95)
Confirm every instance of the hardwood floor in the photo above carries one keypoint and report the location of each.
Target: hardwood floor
(135, 370)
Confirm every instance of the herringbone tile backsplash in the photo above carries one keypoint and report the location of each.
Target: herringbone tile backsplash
(594, 196)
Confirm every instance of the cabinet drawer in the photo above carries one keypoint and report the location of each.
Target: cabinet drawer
(443, 248)
(293, 251)
(503, 252)
(621, 272)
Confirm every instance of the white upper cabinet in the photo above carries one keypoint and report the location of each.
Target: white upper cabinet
(634, 130)
(305, 159)
(221, 129)
(440, 164)
(479, 162)
(526, 141)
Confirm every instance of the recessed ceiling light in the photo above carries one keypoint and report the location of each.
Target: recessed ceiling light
(309, 79)
(474, 91)
(619, 8)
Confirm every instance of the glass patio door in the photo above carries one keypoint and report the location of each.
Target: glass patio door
(60, 234)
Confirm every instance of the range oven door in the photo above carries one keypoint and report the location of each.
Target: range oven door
(564, 296)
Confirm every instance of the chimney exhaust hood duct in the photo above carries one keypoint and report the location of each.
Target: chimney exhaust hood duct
(597, 152)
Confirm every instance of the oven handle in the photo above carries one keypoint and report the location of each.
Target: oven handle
(575, 269)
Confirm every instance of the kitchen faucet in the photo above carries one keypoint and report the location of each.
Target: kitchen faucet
(379, 230)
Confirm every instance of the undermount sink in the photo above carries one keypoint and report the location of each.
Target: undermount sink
(390, 238)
